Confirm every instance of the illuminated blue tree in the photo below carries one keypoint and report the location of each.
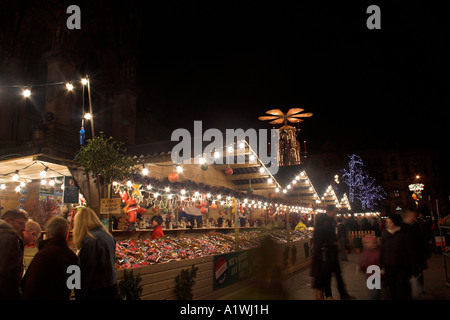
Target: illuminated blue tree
(361, 185)
(353, 177)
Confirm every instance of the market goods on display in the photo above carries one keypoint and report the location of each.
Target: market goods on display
(139, 253)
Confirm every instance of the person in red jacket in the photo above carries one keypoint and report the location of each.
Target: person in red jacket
(157, 228)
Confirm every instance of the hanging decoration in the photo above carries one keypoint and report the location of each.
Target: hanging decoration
(416, 188)
(173, 177)
(229, 171)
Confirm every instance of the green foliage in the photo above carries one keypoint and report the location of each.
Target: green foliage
(184, 283)
(106, 159)
(129, 288)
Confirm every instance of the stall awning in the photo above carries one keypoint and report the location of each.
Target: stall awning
(29, 167)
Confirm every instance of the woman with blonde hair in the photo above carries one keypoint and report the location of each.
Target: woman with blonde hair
(96, 257)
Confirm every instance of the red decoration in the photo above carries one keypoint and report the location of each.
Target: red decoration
(203, 210)
(229, 171)
(213, 206)
(132, 208)
(173, 177)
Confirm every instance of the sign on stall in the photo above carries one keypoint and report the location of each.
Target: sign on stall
(110, 206)
(233, 267)
(71, 191)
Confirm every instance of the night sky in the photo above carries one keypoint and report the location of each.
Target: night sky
(226, 63)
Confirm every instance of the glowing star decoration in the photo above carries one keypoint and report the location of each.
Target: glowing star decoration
(136, 193)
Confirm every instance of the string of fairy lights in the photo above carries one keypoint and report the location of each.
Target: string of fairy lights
(298, 180)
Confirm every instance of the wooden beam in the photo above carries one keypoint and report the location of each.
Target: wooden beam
(246, 176)
(256, 186)
(236, 166)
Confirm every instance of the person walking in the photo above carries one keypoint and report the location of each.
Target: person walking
(376, 227)
(370, 256)
(418, 240)
(12, 224)
(397, 258)
(342, 239)
(95, 258)
(325, 260)
(46, 277)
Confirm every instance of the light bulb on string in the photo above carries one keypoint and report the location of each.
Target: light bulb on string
(144, 170)
(26, 93)
(15, 177)
(43, 173)
(69, 86)
(84, 81)
(88, 116)
(2, 186)
(179, 169)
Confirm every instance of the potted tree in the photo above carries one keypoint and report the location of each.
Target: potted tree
(102, 161)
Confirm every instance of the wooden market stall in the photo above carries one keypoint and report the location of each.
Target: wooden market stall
(218, 275)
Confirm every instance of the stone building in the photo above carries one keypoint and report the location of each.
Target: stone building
(37, 50)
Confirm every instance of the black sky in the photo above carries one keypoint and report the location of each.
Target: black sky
(227, 62)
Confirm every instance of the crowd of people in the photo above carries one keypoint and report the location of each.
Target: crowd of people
(399, 247)
(46, 278)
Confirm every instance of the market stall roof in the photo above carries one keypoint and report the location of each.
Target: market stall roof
(29, 167)
(249, 171)
(298, 185)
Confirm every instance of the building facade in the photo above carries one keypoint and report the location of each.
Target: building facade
(39, 52)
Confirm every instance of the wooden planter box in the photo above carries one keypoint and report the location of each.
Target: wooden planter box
(158, 280)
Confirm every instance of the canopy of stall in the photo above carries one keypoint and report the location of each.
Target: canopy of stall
(29, 168)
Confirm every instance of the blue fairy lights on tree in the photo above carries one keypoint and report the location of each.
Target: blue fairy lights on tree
(362, 186)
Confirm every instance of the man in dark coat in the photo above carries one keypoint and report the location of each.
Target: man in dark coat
(418, 241)
(324, 260)
(46, 277)
(397, 258)
(12, 225)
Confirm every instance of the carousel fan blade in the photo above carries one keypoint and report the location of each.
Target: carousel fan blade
(278, 121)
(268, 117)
(303, 115)
(295, 120)
(275, 112)
(293, 111)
